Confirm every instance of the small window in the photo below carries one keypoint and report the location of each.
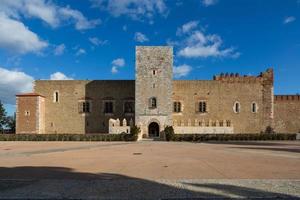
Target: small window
(221, 123)
(177, 107)
(202, 107)
(84, 107)
(237, 107)
(27, 113)
(228, 123)
(254, 107)
(129, 107)
(56, 97)
(152, 103)
(153, 72)
(108, 107)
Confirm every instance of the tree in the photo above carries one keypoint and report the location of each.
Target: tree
(11, 123)
(2, 117)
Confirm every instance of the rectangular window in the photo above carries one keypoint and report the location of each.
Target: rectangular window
(152, 103)
(55, 97)
(129, 107)
(177, 107)
(84, 107)
(108, 107)
(202, 107)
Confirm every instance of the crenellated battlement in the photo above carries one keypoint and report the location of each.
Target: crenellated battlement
(264, 77)
(287, 97)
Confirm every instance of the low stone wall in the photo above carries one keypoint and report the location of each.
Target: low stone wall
(202, 130)
(203, 127)
(115, 126)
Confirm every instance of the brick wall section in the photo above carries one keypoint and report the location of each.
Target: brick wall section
(64, 117)
(29, 113)
(287, 113)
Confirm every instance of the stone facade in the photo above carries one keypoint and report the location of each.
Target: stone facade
(220, 96)
(287, 113)
(153, 83)
(30, 113)
(229, 103)
(64, 115)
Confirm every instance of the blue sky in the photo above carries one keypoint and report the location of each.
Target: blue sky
(96, 39)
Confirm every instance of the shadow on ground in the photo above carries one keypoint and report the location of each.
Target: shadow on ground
(64, 183)
(291, 150)
(256, 143)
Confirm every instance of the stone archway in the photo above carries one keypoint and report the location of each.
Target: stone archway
(153, 130)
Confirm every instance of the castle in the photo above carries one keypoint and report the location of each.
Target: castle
(229, 103)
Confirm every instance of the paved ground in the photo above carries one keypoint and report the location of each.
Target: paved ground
(149, 170)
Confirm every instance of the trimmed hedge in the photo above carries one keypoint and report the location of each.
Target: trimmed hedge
(67, 137)
(133, 137)
(232, 137)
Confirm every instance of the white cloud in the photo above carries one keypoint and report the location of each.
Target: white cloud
(197, 44)
(12, 83)
(114, 69)
(46, 11)
(135, 9)
(116, 64)
(97, 42)
(59, 76)
(209, 2)
(186, 28)
(289, 19)
(120, 62)
(59, 50)
(16, 37)
(140, 37)
(182, 70)
(81, 23)
(80, 51)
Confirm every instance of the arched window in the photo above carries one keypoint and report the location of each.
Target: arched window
(237, 107)
(152, 103)
(55, 96)
(202, 107)
(177, 107)
(254, 107)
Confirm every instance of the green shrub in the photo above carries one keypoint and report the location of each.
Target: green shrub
(133, 135)
(169, 133)
(230, 137)
(269, 130)
(62, 137)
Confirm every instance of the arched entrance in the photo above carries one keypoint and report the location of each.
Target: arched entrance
(153, 129)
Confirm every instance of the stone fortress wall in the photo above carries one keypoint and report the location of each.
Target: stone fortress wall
(64, 117)
(287, 113)
(154, 79)
(220, 95)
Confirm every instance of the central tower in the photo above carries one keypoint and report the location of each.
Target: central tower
(153, 89)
